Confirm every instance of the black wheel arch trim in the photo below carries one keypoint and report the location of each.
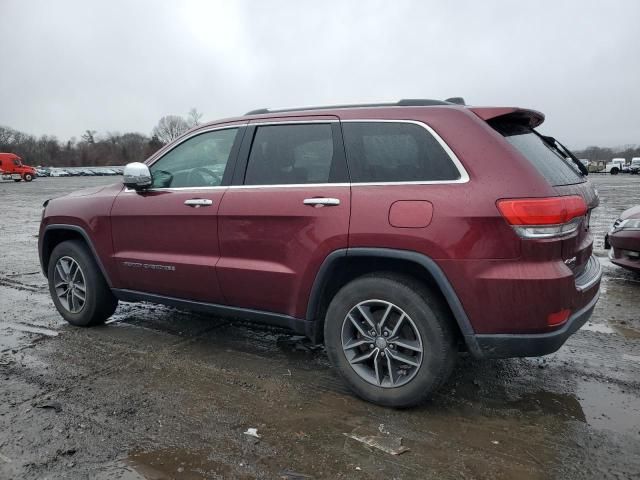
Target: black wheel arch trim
(83, 234)
(422, 260)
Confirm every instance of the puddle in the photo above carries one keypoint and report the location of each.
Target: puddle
(626, 332)
(166, 464)
(557, 404)
(631, 358)
(607, 407)
(597, 327)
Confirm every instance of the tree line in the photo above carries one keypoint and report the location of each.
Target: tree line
(93, 149)
(606, 154)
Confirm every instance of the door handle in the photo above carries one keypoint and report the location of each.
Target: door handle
(198, 202)
(322, 202)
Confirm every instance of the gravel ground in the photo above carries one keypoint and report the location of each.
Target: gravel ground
(158, 393)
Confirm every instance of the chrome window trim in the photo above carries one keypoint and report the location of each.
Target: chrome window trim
(464, 176)
(293, 122)
(193, 134)
(152, 160)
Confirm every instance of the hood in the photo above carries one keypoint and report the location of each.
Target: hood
(633, 212)
(86, 191)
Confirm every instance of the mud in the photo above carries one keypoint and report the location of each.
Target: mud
(158, 393)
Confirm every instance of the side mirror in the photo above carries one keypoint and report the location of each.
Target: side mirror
(136, 175)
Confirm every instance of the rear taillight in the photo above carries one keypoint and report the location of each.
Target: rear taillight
(543, 217)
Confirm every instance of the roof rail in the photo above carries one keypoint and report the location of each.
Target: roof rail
(405, 102)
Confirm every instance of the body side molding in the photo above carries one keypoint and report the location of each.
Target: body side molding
(302, 327)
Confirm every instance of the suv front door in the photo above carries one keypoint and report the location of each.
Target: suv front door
(287, 210)
(165, 238)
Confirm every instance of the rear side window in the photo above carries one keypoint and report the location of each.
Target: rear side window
(290, 154)
(395, 152)
(548, 161)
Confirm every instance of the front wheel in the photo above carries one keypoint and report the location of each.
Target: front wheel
(614, 171)
(78, 289)
(27, 177)
(390, 338)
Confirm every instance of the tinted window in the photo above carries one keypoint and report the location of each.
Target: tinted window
(197, 162)
(395, 152)
(548, 161)
(288, 154)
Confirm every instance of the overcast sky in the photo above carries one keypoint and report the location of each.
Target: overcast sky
(68, 66)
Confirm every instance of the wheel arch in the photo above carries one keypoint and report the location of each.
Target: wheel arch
(342, 266)
(55, 234)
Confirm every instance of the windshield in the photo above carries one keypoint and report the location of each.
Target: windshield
(549, 161)
(635, 162)
(17, 162)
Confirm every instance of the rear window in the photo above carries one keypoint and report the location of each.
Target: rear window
(550, 163)
(395, 152)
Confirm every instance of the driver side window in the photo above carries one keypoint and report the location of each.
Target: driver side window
(197, 162)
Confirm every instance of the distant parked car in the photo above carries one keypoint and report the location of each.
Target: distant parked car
(635, 165)
(623, 240)
(59, 172)
(615, 166)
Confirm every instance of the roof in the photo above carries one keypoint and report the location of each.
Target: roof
(407, 102)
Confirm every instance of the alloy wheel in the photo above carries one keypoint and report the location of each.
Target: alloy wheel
(70, 284)
(382, 343)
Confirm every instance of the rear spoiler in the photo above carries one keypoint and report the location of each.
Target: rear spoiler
(522, 116)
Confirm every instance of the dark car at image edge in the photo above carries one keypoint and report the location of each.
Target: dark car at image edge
(623, 240)
(396, 234)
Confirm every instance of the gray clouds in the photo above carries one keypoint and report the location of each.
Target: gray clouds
(72, 65)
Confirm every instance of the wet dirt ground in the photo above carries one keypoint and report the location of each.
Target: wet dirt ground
(158, 393)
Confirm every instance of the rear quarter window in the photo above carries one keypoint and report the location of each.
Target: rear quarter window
(553, 166)
(395, 152)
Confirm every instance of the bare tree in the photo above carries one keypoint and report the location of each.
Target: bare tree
(170, 127)
(193, 117)
(88, 136)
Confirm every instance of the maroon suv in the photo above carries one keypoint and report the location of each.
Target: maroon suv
(397, 234)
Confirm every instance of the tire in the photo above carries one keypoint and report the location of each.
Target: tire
(27, 177)
(429, 325)
(17, 180)
(614, 171)
(99, 302)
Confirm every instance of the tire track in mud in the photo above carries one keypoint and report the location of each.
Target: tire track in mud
(7, 281)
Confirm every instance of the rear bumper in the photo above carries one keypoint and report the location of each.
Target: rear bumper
(507, 345)
(532, 345)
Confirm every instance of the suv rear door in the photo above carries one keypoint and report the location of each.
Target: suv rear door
(287, 209)
(165, 239)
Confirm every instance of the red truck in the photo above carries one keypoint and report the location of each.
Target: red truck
(11, 168)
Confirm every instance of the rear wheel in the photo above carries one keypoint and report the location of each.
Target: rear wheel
(614, 171)
(78, 289)
(17, 179)
(390, 338)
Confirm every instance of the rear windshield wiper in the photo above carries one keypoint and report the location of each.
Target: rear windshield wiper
(564, 151)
